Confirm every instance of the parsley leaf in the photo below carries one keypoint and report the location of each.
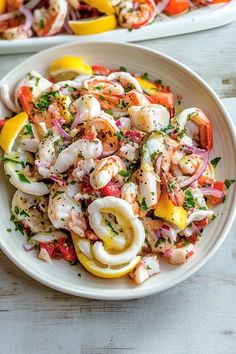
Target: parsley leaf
(123, 173)
(215, 161)
(144, 76)
(111, 227)
(189, 202)
(119, 135)
(159, 241)
(108, 111)
(22, 178)
(144, 205)
(45, 100)
(28, 130)
(7, 159)
(123, 68)
(228, 182)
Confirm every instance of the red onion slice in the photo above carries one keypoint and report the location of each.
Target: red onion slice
(28, 18)
(161, 6)
(195, 229)
(168, 232)
(213, 192)
(61, 131)
(76, 120)
(205, 155)
(28, 247)
(57, 180)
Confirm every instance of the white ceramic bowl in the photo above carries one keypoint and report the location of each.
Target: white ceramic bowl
(60, 275)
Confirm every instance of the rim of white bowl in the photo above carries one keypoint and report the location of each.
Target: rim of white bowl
(139, 291)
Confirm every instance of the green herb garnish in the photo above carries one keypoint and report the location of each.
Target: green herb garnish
(123, 173)
(228, 182)
(189, 202)
(22, 178)
(144, 205)
(215, 161)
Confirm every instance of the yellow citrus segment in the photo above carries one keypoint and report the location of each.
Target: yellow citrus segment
(146, 85)
(102, 271)
(2, 6)
(103, 6)
(166, 210)
(67, 67)
(11, 129)
(93, 25)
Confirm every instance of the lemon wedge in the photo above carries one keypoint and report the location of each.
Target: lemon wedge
(103, 6)
(2, 6)
(93, 25)
(146, 85)
(11, 129)
(102, 271)
(67, 67)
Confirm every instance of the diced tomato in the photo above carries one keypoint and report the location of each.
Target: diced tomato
(86, 186)
(176, 7)
(2, 122)
(220, 186)
(193, 239)
(133, 135)
(111, 189)
(89, 136)
(204, 180)
(49, 247)
(201, 223)
(100, 70)
(63, 248)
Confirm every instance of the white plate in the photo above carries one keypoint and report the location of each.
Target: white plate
(197, 20)
(196, 92)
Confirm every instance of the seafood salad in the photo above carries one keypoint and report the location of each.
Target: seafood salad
(20, 19)
(108, 171)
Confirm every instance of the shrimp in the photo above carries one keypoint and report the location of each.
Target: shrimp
(126, 79)
(87, 106)
(135, 13)
(148, 266)
(107, 92)
(47, 22)
(62, 208)
(46, 154)
(170, 185)
(129, 192)
(203, 123)
(179, 255)
(69, 156)
(177, 7)
(150, 117)
(106, 130)
(84, 166)
(106, 169)
(77, 224)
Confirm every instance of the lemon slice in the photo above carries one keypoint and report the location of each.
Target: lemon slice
(103, 6)
(93, 25)
(147, 86)
(102, 271)
(67, 67)
(11, 129)
(2, 6)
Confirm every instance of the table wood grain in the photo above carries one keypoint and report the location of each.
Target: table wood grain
(197, 317)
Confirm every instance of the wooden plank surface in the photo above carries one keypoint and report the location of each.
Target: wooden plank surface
(198, 316)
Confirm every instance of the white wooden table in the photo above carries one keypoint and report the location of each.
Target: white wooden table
(197, 317)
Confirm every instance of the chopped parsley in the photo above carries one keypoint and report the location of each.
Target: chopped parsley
(111, 227)
(41, 23)
(213, 217)
(148, 267)
(98, 88)
(160, 241)
(58, 193)
(28, 129)
(228, 182)
(108, 111)
(16, 210)
(215, 161)
(102, 98)
(18, 225)
(45, 100)
(123, 173)
(9, 230)
(168, 128)
(143, 205)
(22, 178)
(144, 76)
(189, 202)
(22, 212)
(202, 208)
(123, 68)
(7, 159)
(119, 135)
